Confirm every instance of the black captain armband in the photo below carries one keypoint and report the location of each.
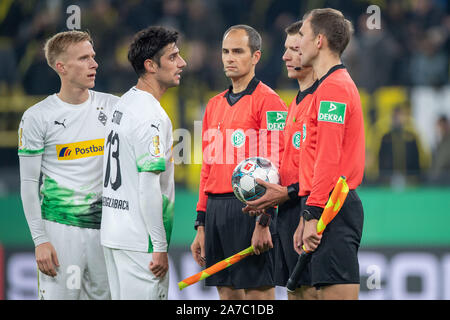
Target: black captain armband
(292, 191)
(200, 221)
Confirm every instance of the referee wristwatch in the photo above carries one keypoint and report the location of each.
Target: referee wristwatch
(200, 221)
(263, 219)
(292, 191)
(198, 224)
(307, 215)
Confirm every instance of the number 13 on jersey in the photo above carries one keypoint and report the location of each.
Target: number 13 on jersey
(112, 148)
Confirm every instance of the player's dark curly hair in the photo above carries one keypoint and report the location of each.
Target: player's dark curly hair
(149, 44)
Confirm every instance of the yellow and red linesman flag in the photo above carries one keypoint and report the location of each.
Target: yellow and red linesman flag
(215, 268)
(334, 204)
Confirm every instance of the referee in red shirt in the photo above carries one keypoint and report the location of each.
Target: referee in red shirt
(286, 195)
(247, 120)
(332, 146)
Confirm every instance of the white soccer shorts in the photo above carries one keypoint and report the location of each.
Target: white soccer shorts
(130, 277)
(81, 274)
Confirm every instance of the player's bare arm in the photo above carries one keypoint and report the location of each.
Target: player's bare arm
(198, 246)
(311, 239)
(46, 259)
(298, 236)
(160, 264)
(261, 239)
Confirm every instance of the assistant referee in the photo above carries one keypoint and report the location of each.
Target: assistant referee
(334, 146)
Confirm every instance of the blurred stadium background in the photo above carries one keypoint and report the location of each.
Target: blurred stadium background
(401, 69)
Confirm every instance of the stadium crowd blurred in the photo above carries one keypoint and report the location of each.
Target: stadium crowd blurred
(410, 50)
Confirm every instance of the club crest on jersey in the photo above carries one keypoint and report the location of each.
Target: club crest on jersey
(276, 120)
(102, 118)
(331, 111)
(296, 139)
(238, 138)
(78, 150)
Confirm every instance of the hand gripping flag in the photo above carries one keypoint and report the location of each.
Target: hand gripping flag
(331, 209)
(333, 205)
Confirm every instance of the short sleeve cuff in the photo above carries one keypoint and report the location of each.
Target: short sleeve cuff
(157, 165)
(28, 152)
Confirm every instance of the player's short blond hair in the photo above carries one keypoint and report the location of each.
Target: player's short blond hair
(58, 44)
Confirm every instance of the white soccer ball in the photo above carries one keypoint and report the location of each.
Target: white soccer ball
(245, 174)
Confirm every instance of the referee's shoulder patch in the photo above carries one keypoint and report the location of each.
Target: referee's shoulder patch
(332, 111)
(276, 120)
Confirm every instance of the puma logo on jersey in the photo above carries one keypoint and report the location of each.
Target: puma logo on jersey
(156, 127)
(60, 123)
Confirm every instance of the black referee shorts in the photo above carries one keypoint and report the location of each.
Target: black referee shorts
(227, 231)
(287, 221)
(335, 260)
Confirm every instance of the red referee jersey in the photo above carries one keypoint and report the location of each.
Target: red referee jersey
(333, 144)
(289, 168)
(234, 130)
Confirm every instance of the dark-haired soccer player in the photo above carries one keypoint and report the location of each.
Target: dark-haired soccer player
(334, 146)
(245, 120)
(286, 195)
(138, 190)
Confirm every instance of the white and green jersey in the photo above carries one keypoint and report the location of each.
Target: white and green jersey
(70, 139)
(138, 139)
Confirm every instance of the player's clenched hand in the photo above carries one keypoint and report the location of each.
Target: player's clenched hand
(160, 264)
(274, 195)
(311, 239)
(261, 239)
(198, 247)
(47, 259)
(298, 237)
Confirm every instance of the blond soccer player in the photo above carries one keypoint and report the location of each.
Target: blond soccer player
(62, 138)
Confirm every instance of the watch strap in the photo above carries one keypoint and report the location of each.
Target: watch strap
(200, 221)
(293, 190)
(313, 212)
(264, 219)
